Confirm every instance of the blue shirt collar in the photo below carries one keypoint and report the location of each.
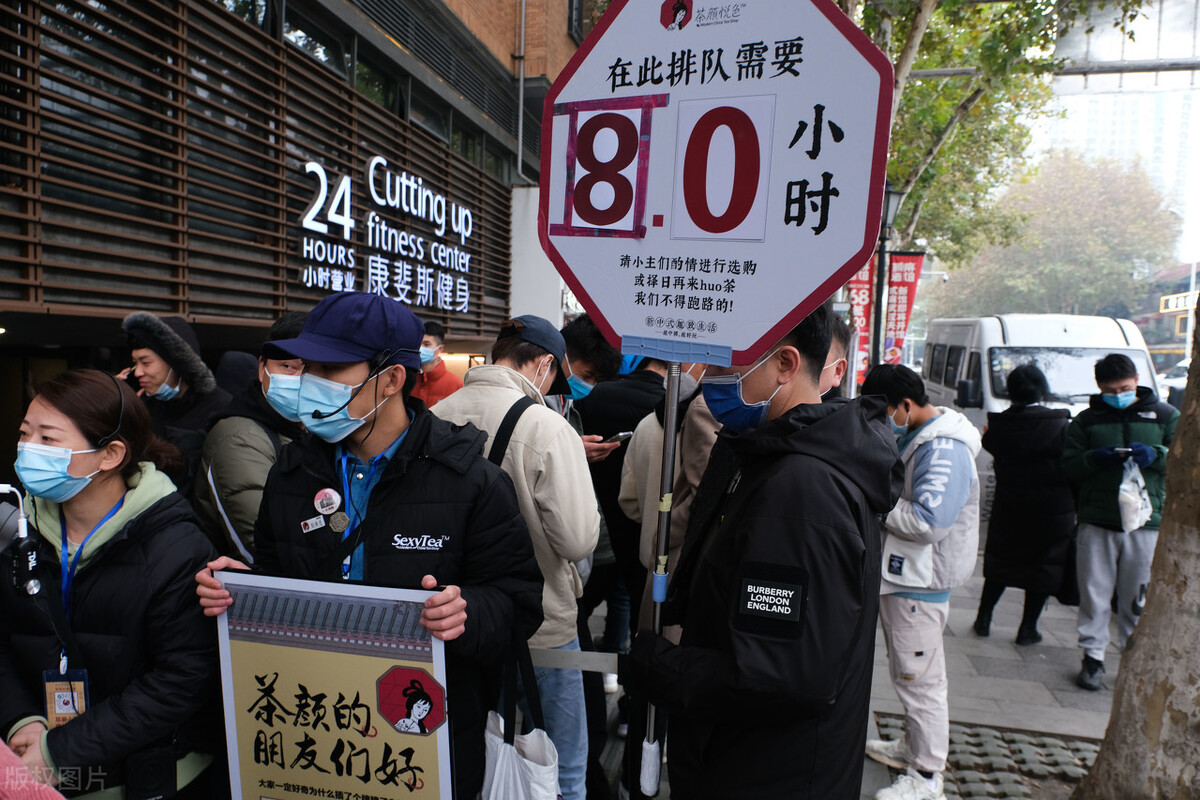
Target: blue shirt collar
(383, 458)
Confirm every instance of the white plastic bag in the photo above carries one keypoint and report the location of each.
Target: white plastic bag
(1133, 499)
(527, 769)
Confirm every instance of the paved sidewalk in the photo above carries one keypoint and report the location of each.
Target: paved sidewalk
(995, 683)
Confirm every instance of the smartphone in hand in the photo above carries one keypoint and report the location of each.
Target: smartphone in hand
(618, 437)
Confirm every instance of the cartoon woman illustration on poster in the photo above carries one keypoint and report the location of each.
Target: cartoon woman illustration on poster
(417, 703)
(680, 12)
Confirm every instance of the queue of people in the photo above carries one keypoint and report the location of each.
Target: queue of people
(783, 551)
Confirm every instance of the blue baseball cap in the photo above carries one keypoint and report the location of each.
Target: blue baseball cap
(540, 332)
(349, 327)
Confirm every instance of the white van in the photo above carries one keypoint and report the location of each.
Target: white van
(967, 362)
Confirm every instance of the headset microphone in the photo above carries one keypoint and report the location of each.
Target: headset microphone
(319, 414)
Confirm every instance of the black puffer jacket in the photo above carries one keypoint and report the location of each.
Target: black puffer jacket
(438, 484)
(1033, 516)
(778, 593)
(150, 653)
(184, 422)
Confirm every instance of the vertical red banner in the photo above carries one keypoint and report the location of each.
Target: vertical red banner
(904, 270)
(861, 289)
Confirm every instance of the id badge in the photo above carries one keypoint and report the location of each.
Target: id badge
(66, 695)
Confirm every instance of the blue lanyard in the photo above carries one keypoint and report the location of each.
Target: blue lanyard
(355, 520)
(68, 575)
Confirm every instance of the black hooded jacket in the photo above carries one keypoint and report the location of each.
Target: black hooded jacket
(184, 422)
(438, 484)
(778, 592)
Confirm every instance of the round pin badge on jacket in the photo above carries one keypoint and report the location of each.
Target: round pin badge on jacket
(327, 501)
(339, 522)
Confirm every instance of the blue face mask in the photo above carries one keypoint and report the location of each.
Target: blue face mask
(167, 391)
(1122, 400)
(723, 395)
(428, 354)
(331, 400)
(898, 429)
(283, 393)
(579, 387)
(42, 469)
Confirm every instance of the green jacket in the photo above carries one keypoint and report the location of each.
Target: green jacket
(238, 453)
(1148, 421)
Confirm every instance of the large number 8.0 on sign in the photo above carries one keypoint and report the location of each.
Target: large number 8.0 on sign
(719, 186)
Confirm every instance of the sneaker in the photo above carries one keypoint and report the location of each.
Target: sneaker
(1089, 677)
(911, 786)
(611, 685)
(1028, 636)
(893, 752)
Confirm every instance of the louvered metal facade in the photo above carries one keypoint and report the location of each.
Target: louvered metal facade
(152, 156)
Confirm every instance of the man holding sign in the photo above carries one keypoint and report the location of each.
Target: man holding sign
(776, 588)
(385, 494)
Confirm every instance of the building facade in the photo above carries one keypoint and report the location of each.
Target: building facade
(230, 160)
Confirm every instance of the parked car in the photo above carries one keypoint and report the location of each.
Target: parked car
(967, 362)
(1174, 381)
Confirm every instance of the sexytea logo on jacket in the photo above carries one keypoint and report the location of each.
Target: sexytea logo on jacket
(426, 542)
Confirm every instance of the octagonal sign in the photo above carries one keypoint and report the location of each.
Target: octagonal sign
(714, 170)
(411, 700)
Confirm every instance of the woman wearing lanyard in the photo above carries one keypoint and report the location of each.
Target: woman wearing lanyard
(109, 674)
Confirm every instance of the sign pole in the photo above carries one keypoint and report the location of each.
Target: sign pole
(651, 748)
(1191, 311)
(880, 284)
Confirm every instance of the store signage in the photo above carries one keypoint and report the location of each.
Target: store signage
(399, 262)
(1172, 303)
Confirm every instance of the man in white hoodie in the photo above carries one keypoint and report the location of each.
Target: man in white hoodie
(545, 459)
(930, 546)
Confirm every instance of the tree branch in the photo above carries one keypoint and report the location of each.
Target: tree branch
(906, 235)
(849, 7)
(960, 113)
(908, 54)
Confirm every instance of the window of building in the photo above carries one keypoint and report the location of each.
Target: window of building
(252, 11)
(497, 164)
(466, 141)
(428, 111)
(575, 20)
(378, 85)
(316, 40)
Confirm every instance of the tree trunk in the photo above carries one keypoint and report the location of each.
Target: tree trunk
(1152, 746)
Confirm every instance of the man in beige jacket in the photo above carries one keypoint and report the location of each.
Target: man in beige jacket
(546, 461)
